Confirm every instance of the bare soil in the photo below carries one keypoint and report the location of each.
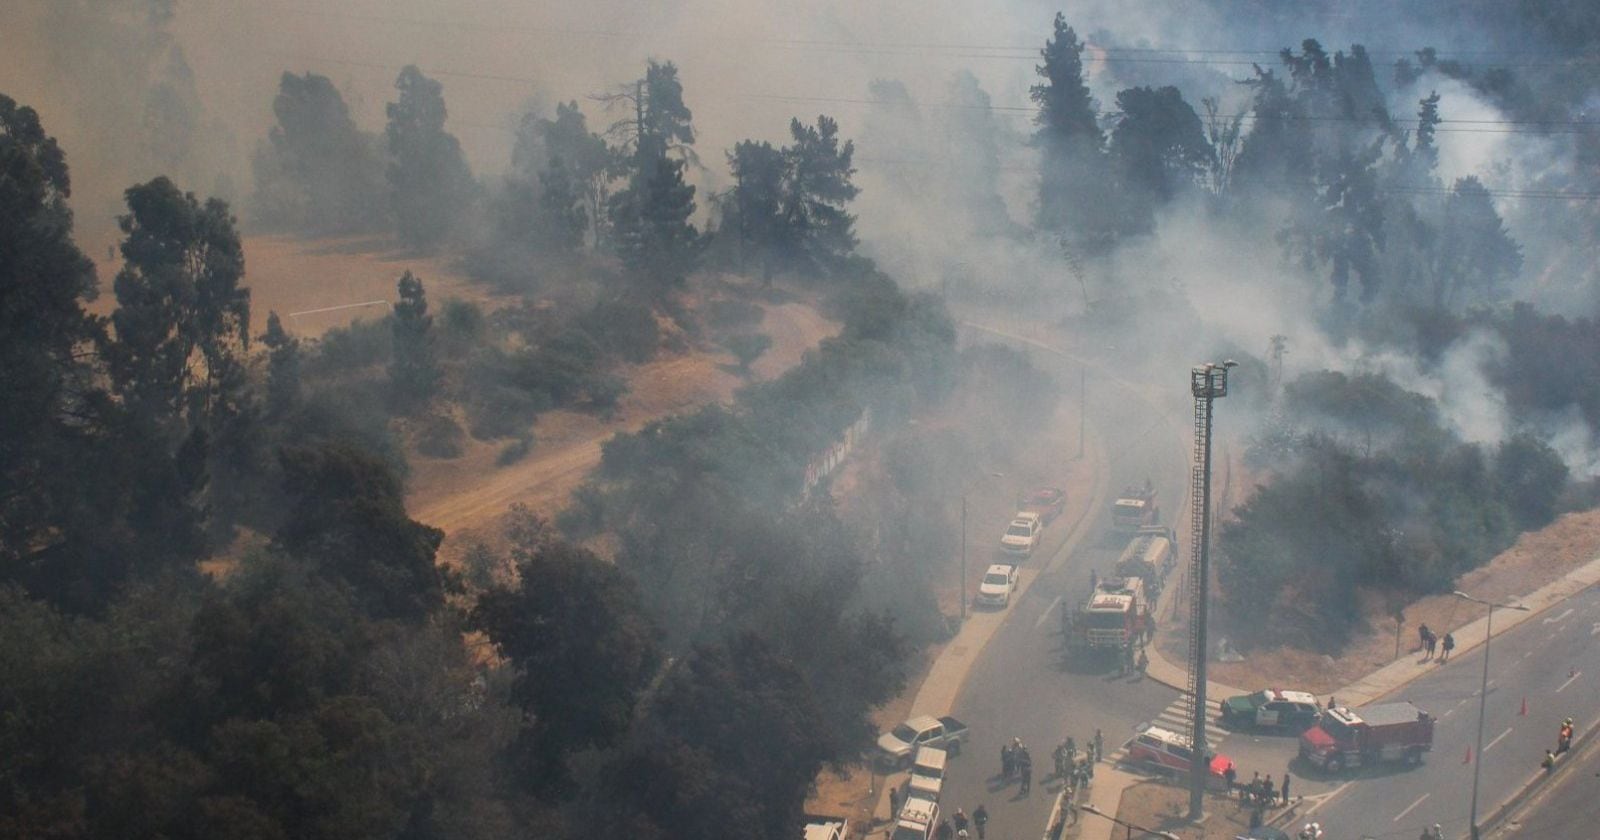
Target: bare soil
(291, 275)
(466, 496)
(1162, 806)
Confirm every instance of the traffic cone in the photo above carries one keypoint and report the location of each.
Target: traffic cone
(1524, 712)
(1468, 759)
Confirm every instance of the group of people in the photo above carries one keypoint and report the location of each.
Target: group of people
(956, 826)
(1259, 792)
(1076, 770)
(1563, 743)
(1016, 760)
(1431, 643)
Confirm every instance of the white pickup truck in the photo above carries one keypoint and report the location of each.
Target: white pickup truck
(896, 746)
(1022, 535)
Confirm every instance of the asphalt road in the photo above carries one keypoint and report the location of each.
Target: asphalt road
(1566, 807)
(1552, 660)
(1022, 684)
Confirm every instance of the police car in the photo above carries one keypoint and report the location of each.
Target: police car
(1271, 708)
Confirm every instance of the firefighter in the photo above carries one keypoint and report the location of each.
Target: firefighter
(1564, 740)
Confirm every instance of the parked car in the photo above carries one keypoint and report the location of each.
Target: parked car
(1048, 502)
(927, 773)
(917, 819)
(1022, 535)
(826, 828)
(1165, 751)
(1271, 708)
(995, 588)
(896, 746)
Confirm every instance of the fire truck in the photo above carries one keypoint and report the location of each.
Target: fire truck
(1112, 618)
(1134, 508)
(1345, 738)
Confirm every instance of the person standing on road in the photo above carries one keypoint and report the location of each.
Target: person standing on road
(1285, 796)
(945, 832)
(1427, 638)
(1008, 761)
(1025, 767)
(1449, 645)
(1099, 745)
(1269, 792)
(1549, 761)
(1231, 776)
(980, 819)
(1072, 751)
(960, 820)
(894, 804)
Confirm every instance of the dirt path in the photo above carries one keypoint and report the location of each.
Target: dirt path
(470, 492)
(291, 275)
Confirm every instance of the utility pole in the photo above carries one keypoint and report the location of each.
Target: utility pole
(1207, 382)
(1083, 406)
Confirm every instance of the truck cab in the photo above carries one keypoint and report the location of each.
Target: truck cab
(1114, 615)
(1135, 508)
(1346, 738)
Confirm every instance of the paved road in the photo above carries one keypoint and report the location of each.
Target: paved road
(1022, 685)
(1566, 807)
(1552, 660)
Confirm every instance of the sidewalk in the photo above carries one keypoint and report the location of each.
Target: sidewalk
(1365, 690)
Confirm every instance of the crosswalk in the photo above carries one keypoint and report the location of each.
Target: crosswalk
(1176, 718)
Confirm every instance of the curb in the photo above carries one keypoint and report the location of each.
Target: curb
(1538, 781)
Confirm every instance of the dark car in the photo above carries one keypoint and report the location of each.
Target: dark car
(1271, 708)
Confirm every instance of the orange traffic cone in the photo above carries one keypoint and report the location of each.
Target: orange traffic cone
(1524, 712)
(1468, 759)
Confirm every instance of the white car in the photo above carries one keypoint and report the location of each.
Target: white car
(1022, 535)
(995, 590)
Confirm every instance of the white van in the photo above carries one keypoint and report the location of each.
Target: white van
(927, 774)
(916, 820)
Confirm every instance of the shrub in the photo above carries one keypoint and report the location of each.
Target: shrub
(440, 436)
(625, 329)
(499, 411)
(747, 347)
(605, 391)
(361, 345)
(733, 314)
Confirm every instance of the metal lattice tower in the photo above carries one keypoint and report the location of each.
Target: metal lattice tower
(1207, 383)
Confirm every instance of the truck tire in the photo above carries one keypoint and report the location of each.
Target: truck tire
(954, 748)
(1336, 764)
(1414, 756)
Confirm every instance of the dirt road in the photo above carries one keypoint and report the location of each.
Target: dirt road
(470, 492)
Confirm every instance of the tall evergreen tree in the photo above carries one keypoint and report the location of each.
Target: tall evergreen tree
(818, 188)
(1158, 148)
(44, 280)
(1068, 136)
(650, 217)
(413, 371)
(1476, 255)
(752, 212)
(183, 317)
(318, 171)
(429, 182)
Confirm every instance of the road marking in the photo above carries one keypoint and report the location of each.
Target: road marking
(337, 308)
(1575, 675)
(1447, 714)
(1040, 622)
(1595, 630)
(1554, 619)
(1526, 654)
(1496, 740)
(1409, 808)
(1330, 795)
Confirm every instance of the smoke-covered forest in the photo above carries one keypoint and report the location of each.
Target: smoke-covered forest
(219, 618)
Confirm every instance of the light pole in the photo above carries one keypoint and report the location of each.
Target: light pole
(964, 542)
(1207, 382)
(1483, 696)
(1164, 835)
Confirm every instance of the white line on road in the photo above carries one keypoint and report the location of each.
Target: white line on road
(1526, 654)
(1489, 746)
(1331, 795)
(1040, 622)
(1575, 675)
(1446, 714)
(1595, 630)
(344, 306)
(1411, 807)
(1556, 618)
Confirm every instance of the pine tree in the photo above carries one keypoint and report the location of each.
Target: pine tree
(413, 371)
(429, 182)
(817, 190)
(1073, 191)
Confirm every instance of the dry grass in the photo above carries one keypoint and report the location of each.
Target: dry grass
(1163, 806)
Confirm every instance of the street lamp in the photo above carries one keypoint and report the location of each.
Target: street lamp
(1164, 835)
(964, 542)
(1483, 695)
